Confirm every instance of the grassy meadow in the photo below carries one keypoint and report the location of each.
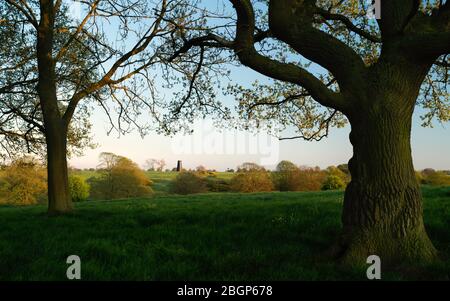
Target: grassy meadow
(212, 236)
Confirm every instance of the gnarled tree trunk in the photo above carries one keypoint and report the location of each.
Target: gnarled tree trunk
(382, 212)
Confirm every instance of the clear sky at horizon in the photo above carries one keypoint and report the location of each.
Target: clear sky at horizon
(430, 148)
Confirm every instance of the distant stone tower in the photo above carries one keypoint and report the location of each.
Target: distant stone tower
(179, 165)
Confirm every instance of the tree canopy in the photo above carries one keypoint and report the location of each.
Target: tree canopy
(56, 67)
(326, 50)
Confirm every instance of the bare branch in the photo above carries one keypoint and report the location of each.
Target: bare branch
(350, 26)
(25, 10)
(107, 79)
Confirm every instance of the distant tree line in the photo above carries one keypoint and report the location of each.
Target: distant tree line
(251, 177)
(24, 181)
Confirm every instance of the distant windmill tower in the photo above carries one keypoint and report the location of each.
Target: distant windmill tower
(179, 165)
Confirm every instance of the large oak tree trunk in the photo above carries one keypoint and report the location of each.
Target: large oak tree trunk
(382, 212)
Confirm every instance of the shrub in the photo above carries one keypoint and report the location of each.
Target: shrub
(249, 166)
(292, 178)
(201, 170)
(283, 177)
(419, 177)
(24, 182)
(188, 182)
(217, 185)
(338, 172)
(312, 179)
(119, 178)
(428, 171)
(333, 182)
(285, 166)
(344, 169)
(252, 181)
(307, 179)
(437, 178)
(79, 189)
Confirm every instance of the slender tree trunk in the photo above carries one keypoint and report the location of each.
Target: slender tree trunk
(382, 212)
(59, 200)
(55, 130)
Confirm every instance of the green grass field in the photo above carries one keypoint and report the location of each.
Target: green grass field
(222, 236)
